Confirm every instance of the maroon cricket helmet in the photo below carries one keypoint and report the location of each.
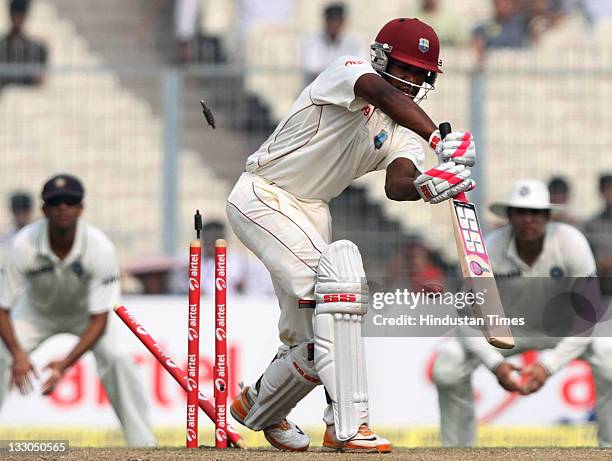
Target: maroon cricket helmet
(412, 42)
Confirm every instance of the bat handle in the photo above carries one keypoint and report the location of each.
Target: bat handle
(445, 129)
(461, 197)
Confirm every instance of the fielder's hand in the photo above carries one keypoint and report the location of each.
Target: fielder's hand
(505, 377)
(458, 147)
(444, 182)
(536, 376)
(22, 372)
(57, 373)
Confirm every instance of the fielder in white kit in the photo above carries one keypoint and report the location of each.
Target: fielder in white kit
(529, 246)
(61, 276)
(356, 117)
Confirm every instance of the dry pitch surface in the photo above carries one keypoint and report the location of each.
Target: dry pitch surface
(407, 454)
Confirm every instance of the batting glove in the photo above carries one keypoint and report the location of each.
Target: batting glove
(444, 182)
(458, 147)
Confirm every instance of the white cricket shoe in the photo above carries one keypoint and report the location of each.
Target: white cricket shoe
(286, 435)
(365, 441)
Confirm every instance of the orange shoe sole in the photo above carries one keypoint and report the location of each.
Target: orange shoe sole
(349, 449)
(330, 445)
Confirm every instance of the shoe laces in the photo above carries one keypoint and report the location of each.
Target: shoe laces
(283, 425)
(365, 430)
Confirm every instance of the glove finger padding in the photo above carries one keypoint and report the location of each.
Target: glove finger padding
(443, 182)
(458, 147)
(454, 176)
(458, 136)
(463, 186)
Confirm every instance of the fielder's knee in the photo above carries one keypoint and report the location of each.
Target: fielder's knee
(448, 364)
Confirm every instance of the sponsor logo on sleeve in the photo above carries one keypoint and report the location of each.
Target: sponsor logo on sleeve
(111, 279)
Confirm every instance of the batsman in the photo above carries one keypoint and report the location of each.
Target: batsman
(354, 118)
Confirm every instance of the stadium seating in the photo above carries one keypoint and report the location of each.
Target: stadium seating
(542, 114)
(83, 121)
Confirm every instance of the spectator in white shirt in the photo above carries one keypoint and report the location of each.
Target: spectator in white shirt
(20, 204)
(320, 49)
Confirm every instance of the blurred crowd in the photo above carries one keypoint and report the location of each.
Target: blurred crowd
(18, 48)
(414, 265)
(512, 24)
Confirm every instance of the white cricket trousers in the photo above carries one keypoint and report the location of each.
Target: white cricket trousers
(452, 374)
(288, 235)
(117, 370)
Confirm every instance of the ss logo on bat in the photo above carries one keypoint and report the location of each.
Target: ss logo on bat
(470, 229)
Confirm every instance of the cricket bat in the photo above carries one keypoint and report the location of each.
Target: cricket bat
(476, 268)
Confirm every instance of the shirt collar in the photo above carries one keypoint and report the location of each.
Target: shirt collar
(78, 246)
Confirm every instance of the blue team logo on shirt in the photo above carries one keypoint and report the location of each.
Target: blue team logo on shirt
(556, 272)
(77, 268)
(380, 139)
(423, 45)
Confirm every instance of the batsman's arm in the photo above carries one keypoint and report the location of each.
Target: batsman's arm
(399, 180)
(403, 110)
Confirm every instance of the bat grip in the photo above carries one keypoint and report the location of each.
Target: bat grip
(445, 129)
(461, 197)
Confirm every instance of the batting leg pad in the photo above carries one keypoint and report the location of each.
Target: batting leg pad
(341, 293)
(286, 381)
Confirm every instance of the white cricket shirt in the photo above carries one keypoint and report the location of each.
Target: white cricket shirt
(86, 281)
(566, 253)
(331, 137)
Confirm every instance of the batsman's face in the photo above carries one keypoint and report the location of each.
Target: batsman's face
(408, 73)
(63, 213)
(528, 225)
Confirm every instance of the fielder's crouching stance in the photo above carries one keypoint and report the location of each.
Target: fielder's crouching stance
(354, 118)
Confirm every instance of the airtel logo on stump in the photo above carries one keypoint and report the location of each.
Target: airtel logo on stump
(220, 284)
(193, 284)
